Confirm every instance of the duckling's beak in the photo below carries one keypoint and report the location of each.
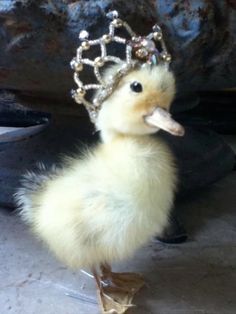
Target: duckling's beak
(162, 119)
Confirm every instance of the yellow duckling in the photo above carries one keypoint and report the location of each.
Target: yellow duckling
(101, 207)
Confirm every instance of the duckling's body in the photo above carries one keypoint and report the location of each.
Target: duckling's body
(103, 207)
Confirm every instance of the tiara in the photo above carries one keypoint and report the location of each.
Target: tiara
(139, 50)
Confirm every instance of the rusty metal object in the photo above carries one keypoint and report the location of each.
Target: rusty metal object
(39, 38)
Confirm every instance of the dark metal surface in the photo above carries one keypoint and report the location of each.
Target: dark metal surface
(38, 38)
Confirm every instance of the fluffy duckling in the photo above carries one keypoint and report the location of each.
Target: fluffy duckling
(101, 207)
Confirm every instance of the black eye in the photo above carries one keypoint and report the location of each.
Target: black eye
(136, 87)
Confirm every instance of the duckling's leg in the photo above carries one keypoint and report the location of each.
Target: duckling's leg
(117, 290)
(126, 282)
(108, 303)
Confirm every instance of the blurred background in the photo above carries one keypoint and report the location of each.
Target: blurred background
(39, 38)
(40, 122)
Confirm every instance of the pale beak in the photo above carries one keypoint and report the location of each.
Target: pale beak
(162, 119)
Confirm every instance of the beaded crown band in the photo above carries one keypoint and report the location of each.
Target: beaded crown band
(138, 50)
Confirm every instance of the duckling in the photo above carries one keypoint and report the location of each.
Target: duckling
(105, 204)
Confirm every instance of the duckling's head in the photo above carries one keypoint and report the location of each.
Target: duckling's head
(140, 103)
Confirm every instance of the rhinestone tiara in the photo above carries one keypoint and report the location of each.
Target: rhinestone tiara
(139, 50)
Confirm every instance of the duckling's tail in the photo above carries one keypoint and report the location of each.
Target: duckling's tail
(32, 183)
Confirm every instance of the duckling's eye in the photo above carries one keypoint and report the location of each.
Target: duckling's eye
(136, 87)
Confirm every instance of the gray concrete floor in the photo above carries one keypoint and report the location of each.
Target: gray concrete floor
(196, 277)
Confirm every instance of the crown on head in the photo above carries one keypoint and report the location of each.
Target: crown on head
(139, 50)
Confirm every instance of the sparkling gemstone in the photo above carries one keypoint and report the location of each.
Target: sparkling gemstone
(157, 35)
(112, 14)
(117, 23)
(96, 102)
(136, 39)
(81, 92)
(141, 53)
(107, 38)
(99, 62)
(148, 44)
(85, 45)
(166, 56)
(72, 64)
(76, 66)
(93, 115)
(83, 35)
